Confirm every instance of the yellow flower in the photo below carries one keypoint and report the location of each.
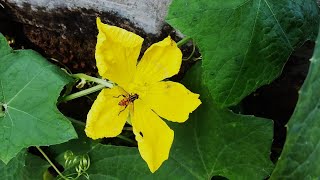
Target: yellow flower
(140, 94)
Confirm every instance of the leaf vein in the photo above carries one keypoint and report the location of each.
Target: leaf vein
(274, 16)
(25, 86)
(245, 57)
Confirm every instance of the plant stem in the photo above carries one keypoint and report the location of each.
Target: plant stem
(183, 41)
(83, 93)
(50, 162)
(92, 79)
(77, 122)
(193, 50)
(126, 139)
(119, 136)
(127, 128)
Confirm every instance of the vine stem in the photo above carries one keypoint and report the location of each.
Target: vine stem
(127, 128)
(92, 79)
(101, 84)
(82, 93)
(77, 122)
(51, 163)
(183, 41)
(119, 136)
(126, 139)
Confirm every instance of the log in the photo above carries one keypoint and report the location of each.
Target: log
(66, 29)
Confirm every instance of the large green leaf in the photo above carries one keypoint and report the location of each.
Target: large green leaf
(24, 166)
(4, 48)
(244, 43)
(29, 88)
(301, 154)
(213, 142)
(220, 142)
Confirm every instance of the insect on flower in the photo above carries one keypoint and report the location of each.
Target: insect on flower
(127, 100)
(141, 96)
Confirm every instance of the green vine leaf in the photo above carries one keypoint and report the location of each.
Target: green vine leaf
(219, 142)
(244, 43)
(4, 48)
(29, 88)
(212, 142)
(24, 166)
(301, 153)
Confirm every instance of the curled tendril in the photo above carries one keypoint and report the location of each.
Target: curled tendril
(81, 164)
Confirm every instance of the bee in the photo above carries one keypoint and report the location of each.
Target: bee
(127, 100)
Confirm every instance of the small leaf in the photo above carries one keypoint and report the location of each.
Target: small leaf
(212, 142)
(24, 166)
(244, 43)
(4, 48)
(29, 88)
(301, 153)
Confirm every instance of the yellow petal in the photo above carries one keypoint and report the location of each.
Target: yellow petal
(171, 100)
(117, 51)
(106, 118)
(162, 60)
(153, 135)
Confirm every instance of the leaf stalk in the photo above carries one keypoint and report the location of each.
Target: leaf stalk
(183, 41)
(51, 163)
(82, 93)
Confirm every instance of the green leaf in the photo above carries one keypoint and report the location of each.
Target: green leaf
(213, 142)
(220, 142)
(244, 43)
(4, 48)
(300, 156)
(29, 88)
(118, 162)
(24, 166)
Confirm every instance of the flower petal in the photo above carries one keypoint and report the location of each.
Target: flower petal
(171, 100)
(117, 51)
(106, 118)
(153, 135)
(162, 60)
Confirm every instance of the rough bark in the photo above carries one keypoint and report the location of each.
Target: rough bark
(66, 30)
